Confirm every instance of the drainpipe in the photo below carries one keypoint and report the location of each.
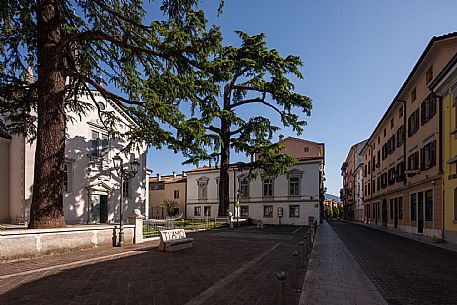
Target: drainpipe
(440, 155)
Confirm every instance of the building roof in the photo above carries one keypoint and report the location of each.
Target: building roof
(169, 179)
(434, 40)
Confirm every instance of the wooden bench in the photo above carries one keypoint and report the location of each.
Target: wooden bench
(173, 240)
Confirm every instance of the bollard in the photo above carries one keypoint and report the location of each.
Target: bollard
(295, 272)
(114, 237)
(302, 255)
(281, 276)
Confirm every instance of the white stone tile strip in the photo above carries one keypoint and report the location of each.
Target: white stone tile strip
(76, 263)
(334, 277)
(205, 295)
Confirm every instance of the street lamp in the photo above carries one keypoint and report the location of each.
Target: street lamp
(237, 210)
(124, 174)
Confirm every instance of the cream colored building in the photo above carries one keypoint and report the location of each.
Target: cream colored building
(295, 198)
(170, 187)
(91, 185)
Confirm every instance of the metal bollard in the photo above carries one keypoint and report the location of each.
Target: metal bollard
(114, 238)
(302, 255)
(295, 272)
(281, 276)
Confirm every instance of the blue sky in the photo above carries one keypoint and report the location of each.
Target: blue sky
(356, 55)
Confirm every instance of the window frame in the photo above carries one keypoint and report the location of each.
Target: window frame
(268, 208)
(294, 208)
(199, 209)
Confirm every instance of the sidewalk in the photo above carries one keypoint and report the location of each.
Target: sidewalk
(334, 277)
(417, 237)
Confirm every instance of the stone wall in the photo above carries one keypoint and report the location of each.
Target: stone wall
(15, 244)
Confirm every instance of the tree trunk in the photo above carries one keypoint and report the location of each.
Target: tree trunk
(224, 182)
(47, 202)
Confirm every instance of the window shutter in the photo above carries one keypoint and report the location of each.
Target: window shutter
(433, 153)
(422, 159)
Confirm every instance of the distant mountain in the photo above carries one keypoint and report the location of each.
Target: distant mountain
(332, 197)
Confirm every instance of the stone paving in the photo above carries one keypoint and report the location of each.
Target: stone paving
(223, 267)
(405, 271)
(333, 277)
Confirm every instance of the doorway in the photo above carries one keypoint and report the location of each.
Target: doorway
(384, 212)
(420, 212)
(99, 208)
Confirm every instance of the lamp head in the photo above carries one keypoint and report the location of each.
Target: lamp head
(117, 161)
(134, 165)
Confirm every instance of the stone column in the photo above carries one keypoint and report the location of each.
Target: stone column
(137, 220)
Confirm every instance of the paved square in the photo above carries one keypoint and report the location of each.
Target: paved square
(223, 267)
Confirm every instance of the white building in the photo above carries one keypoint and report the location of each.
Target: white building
(91, 185)
(297, 195)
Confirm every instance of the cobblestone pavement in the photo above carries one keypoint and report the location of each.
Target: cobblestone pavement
(222, 267)
(405, 271)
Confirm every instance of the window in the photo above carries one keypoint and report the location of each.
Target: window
(379, 139)
(413, 122)
(373, 186)
(197, 211)
(267, 187)
(244, 210)
(369, 189)
(428, 205)
(378, 183)
(176, 194)
(428, 109)
(268, 211)
(365, 170)
(413, 95)
(413, 161)
(400, 112)
(379, 159)
(428, 158)
(126, 188)
(391, 123)
(207, 211)
(413, 206)
(369, 166)
(98, 144)
(429, 75)
(67, 170)
(400, 171)
(373, 163)
(384, 180)
(384, 132)
(294, 186)
(244, 187)
(101, 106)
(400, 135)
(391, 176)
(306, 149)
(202, 184)
(294, 211)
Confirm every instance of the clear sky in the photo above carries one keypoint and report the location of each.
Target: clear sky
(356, 55)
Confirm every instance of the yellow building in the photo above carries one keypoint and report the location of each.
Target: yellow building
(170, 187)
(445, 86)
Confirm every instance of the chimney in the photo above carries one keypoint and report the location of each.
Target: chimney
(174, 174)
(158, 177)
(281, 137)
(184, 174)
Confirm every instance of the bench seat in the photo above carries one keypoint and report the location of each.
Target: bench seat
(173, 240)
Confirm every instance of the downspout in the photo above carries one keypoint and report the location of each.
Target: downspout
(440, 155)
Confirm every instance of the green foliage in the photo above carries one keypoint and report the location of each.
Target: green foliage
(170, 206)
(149, 67)
(336, 212)
(330, 213)
(248, 75)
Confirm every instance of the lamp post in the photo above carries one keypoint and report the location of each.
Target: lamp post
(124, 174)
(237, 209)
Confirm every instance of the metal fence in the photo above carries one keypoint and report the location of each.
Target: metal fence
(152, 226)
